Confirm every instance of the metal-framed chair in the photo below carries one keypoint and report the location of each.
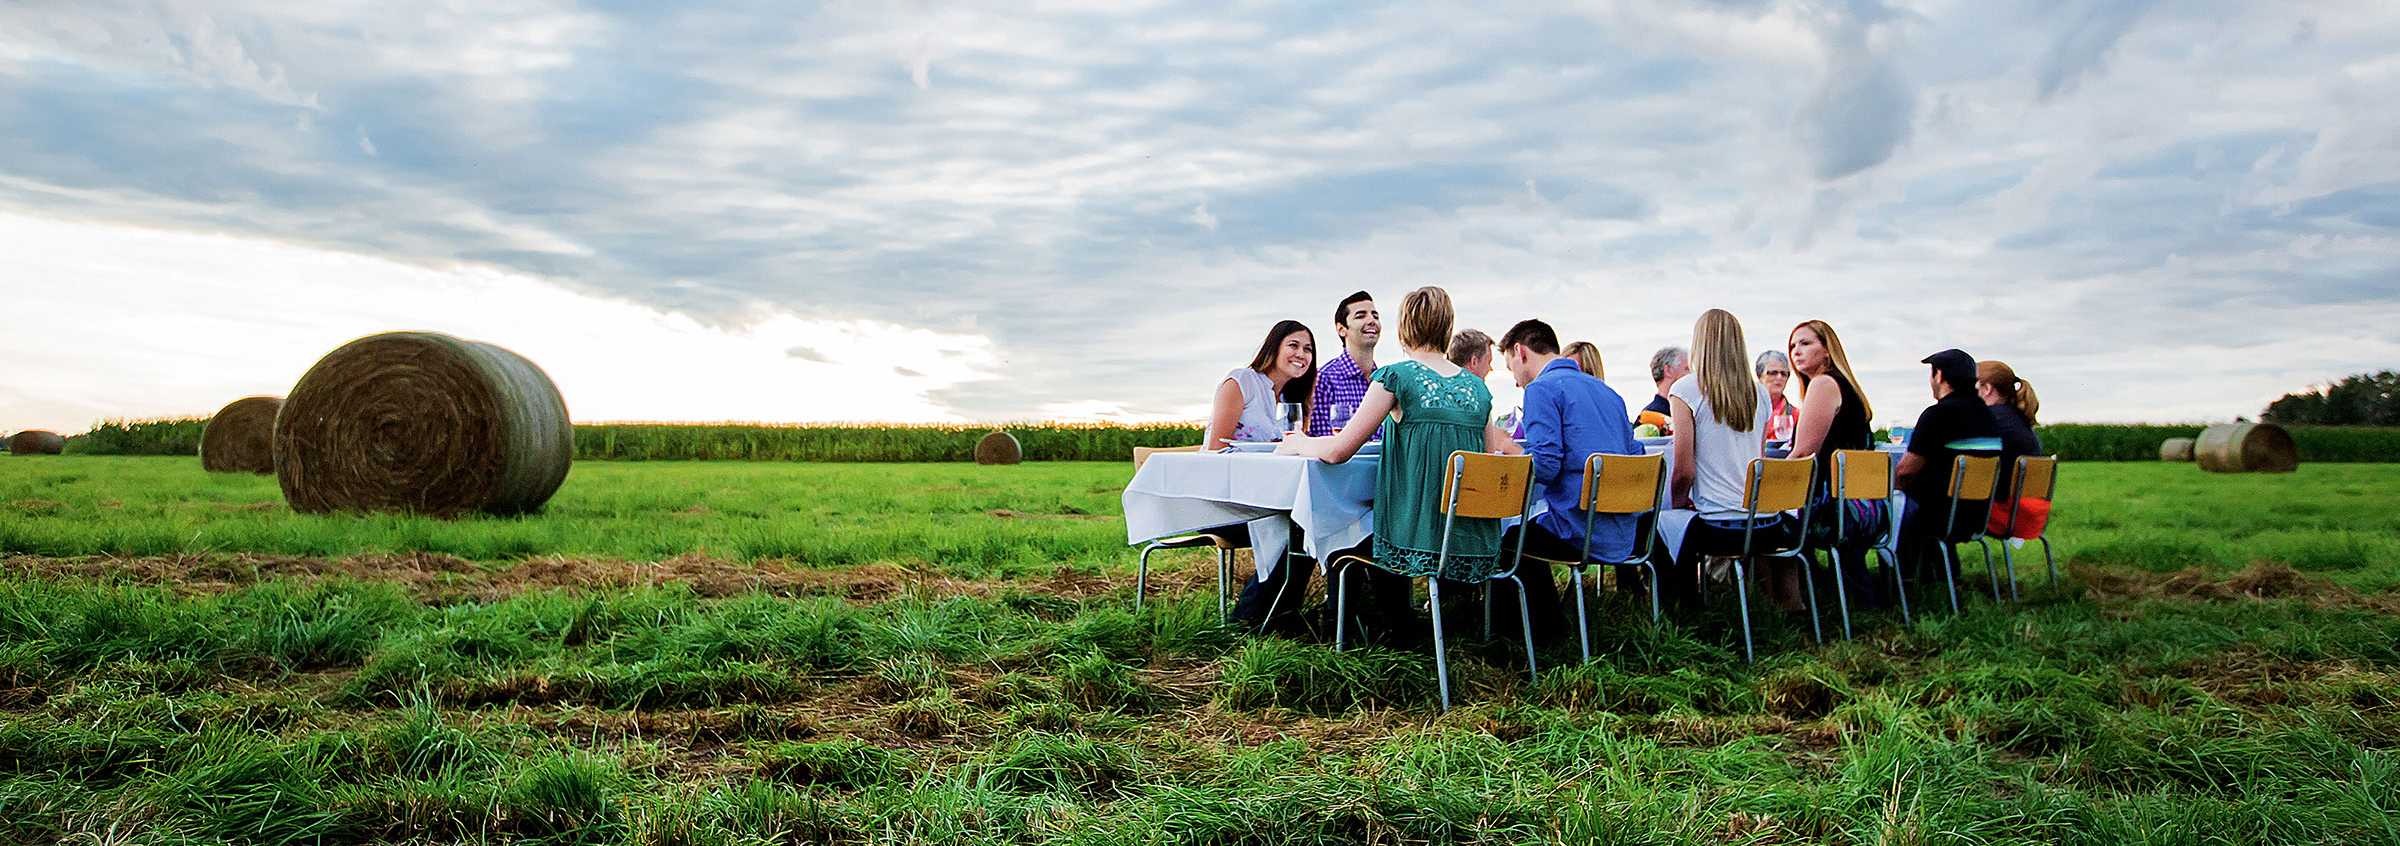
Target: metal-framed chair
(1222, 543)
(2034, 473)
(1870, 481)
(1770, 487)
(1973, 478)
(1627, 485)
(1475, 485)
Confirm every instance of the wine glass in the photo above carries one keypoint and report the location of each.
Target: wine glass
(1292, 415)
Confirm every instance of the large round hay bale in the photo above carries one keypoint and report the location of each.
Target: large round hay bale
(2175, 449)
(241, 438)
(998, 448)
(36, 442)
(2246, 448)
(422, 423)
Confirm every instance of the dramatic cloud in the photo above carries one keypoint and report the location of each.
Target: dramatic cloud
(2157, 211)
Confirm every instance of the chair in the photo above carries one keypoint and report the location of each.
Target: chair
(1613, 484)
(1223, 544)
(1770, 487)
(1973, 478)
(1870, 482)
(2034, 473)
(1476, 485)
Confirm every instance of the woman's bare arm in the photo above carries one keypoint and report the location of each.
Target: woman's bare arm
(1224, 414)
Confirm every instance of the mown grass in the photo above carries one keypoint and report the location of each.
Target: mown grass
(2177, 694)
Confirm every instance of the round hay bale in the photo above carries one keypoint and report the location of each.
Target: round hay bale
(2246, 448)
(2175, 449)
(241, 438)
(36, 442)
(422, 423)
(998, 448)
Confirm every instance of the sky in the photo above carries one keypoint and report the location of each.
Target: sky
(2155, 211)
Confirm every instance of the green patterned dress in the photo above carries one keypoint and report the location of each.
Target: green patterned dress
(1438, 415)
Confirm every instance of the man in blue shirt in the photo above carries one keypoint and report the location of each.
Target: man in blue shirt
(1568, 416)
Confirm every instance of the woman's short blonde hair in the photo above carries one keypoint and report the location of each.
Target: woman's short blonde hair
(1425, 319)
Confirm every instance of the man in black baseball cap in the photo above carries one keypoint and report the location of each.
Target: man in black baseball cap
(1956, 422)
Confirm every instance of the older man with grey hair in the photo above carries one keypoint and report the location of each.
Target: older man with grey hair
(1666, 366)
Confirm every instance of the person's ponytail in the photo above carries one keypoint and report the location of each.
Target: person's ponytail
(2027, 404)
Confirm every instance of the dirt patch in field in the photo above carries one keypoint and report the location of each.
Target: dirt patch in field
(2261, 581)
(437, 578)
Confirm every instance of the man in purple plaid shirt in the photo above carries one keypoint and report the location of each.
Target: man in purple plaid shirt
(1343, 381)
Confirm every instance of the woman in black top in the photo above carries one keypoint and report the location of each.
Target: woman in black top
(1834, 415)
(2013, 407)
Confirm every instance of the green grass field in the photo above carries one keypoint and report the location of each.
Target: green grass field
(791, 653)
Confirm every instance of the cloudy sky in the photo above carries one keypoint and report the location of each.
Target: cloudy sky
(924, 211)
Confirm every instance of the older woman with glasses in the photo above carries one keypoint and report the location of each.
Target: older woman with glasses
(1774, 373)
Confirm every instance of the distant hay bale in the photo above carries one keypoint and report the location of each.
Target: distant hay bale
(2175, 449)
(422, 423)
(998, 448)
(36, 442)
(2246, 448)
(241, 438)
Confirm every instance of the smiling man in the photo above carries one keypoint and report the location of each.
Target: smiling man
(1342, 382)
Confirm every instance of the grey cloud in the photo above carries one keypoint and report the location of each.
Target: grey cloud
(806, 354)
(2092, 29)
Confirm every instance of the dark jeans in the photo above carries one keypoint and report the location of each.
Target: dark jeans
(1850, 555)
(1541, 588)
(1921, 526)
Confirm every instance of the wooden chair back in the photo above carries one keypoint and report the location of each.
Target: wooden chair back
(1777, 484)
(1862, 474)
(1487, 485)
(1974, 477)
(2037, 477)
(1622, 484)
(1141, 455)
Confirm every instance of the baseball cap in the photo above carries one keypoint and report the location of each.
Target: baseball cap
(1957, 367)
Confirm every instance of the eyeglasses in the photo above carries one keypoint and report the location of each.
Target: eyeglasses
(1776, 373)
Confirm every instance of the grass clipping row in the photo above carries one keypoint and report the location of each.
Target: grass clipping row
(422, 423)
(241, 438)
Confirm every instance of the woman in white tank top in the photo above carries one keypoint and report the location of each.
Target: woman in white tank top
(1284, 370)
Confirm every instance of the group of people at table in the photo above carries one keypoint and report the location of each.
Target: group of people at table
(1720, 407)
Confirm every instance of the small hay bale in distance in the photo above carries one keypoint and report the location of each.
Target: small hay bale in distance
(241, 438)
(422, 423)
(998, 448)
(2246, 448)
(2175, 449)
(36, 442)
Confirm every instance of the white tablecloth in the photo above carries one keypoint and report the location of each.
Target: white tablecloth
(1179, 493)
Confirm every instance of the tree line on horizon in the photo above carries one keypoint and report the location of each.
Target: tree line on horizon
(2364, 399)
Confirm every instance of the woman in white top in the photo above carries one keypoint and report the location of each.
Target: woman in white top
(1284, 370)
(1720, 416)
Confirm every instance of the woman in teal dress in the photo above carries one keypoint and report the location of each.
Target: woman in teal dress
(1436, 408)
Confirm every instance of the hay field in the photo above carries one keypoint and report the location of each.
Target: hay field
(794, 653)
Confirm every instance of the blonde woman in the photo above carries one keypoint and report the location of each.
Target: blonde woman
(1834, 415)
(1437, 407)
(1587, 358)
(1720, 418)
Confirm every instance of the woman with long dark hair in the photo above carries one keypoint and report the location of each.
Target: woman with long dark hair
(1284, 370)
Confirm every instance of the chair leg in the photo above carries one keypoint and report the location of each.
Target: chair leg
(1655, 614)
(2046, 559)
(1525, 618)
(1487, 610)
(1741, 592)
(1224, 571)
(1808, 575)
(1441, 652)
(1841, 594)
(1141, 578)
(1583, 626)
(1340, 580)
(1891, 562)
(1989, 568)
(2010, 563)
(1950, 572)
